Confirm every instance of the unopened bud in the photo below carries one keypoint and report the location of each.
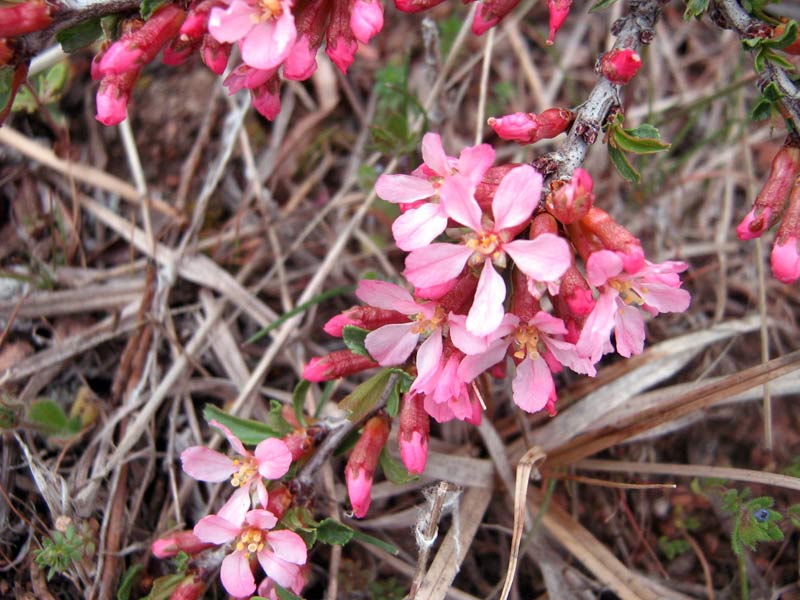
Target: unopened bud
(559, 9)
(571, 200)
(215, 54)
(112, 97)
(361, 465)
(280, 499)
(192, 587)
(180, 541)
(527, 128)
(484, 192)
(620, 65)
(785, 258)
(414, 432)
(771, 200)
(266, 98)
(299, 443)
(523, 303)
(364, 317)
(600, 227)
(415, 6)
(340, 363)
(366, 19)
(490, 13)
(23, 18)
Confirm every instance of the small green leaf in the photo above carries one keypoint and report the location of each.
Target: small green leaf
(80, 35)
(601, 4)
(353, 338)
(164, 586)
(276, 421)
(51, 419)
(785, 39)
(298, 400)
(672, 548)
(644, 139)
(623, 165)
(362, 400)
(148, 7)
(247, 430)
(332, 532)
(761, 110)
(695, 9)
(129, 579)
(793, 512)
(284, 594)
(378, 543)
(394, 470)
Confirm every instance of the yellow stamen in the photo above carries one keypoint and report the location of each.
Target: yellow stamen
(526, 340)
(247, 470)
(425, 326)
(626, 292)
(250, 540)
(270, 9)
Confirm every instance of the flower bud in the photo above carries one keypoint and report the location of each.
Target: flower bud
(785, 257)
(527, 128)
(180, 541)
(336, 364)
(360, 468)
(366, 19)
(267, 99)
(559, 9)
(365, 317)
(299, 443)
(415, 6)
(192, 587)
(523, 303)
(484, 193)
(112, 97)
(490, 13)
(280, 499)
(576, 292)
(603, 232)
(215, 54)
(771, 200)
(571, 200)
(302, 60)
(414, 432)
(25, 17)
(620, 65)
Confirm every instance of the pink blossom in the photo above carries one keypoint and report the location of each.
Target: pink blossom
(271, 460)
(420, 225)
(654, 288)
(489, 243)
(366, 19)
(279, 552)
(571, 200)
(302, 60)
(341, 51)
(447, 396)
(785, 260)
(393, 344)
(265, 30)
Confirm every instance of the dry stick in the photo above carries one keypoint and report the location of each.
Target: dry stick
(487, 65)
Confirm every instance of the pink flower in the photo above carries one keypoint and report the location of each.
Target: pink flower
(655, 288)
(302, 60)
(265, 30)
(279, 552)
(393, 344)
(418, 226)
(366, 19)
(785, 260)
(271, 460)
(489, 243)
(447, 396)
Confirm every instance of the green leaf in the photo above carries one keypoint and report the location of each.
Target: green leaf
(247, 430)
(164, 586)
(672, 548)
(298, 400)
(80, 35)
(353, 338)
(695, 9)
(394, 469)
(276, 421)
(362, 400)
(284, 594)
(49, 417)
(332, 532)
(378, 543)
(761, 110)
(785, 39)
(601, 4)
(148, 7)
(623, 165)
(129, 579)
(644, 139)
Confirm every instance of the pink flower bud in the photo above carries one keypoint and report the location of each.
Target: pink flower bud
(620, 65)
(365, 317)
(135, 49)
(785, 260)
(266, 98)
(245, 77)
(180, 541)
(771, 200)
(366, 20)
(490, 13)
(484, 193)
(598, 226)
(415, 6)
(527, 128)
(571, 200)
(342, 52)
(215, 54)
(299, 443)
(336, 364)
(576, 292)
(23, 18)
(112, 97)
(302, 60)
(361, 465)
(559, 9)
(280, 499)
(414, 432)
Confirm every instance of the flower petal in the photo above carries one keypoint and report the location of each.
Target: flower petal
(281, 572)
(429, 355)
(664, 298)
(472, 366)
(487, 310)
(474, 161)
(274, 458)
(458, 199)
(213, 529)
(544, 259)
(391, 344)
(236, 576)
(602, 266)
(403, 188)
(261, 519)
(433, 154)
(268, 43)
(629, 331)
(533, 385)
(231, 24)
(235, 509)
(234, 441)
(597, 327)
(516, 197)
(419, 226)
(288, 546)
(382, 294)
(435, 264)
(205, 464)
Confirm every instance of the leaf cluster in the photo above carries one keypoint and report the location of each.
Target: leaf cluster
(63, 550)
(644, 139)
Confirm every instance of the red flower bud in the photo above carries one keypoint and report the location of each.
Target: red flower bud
(559, 9)
(571, 200)
(280, 499)
(490, 13)
(336, 364)
(365, 317)
(620, 65)
(190, 588)
(215, 54)
(785, 257)
(414, 432)
(179, 541)
(603, 232)
(23, 18)
(113, 96)
(360, 468)
(527, 128)
(486, 189)
(299, 443)
(415, 6)
(460, 297)
(523, 303)
(771, 200)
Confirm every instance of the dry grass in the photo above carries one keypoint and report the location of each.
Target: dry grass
(138, 260)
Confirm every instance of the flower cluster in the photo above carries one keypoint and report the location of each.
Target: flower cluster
(499, 279)
(248, 520)
(779, 202)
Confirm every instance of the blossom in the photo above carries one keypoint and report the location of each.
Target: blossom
(280, 552)
(419, 225)
(271, 460)
(654, 288)
(488, 243)
(264, 29)
(570, 201)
